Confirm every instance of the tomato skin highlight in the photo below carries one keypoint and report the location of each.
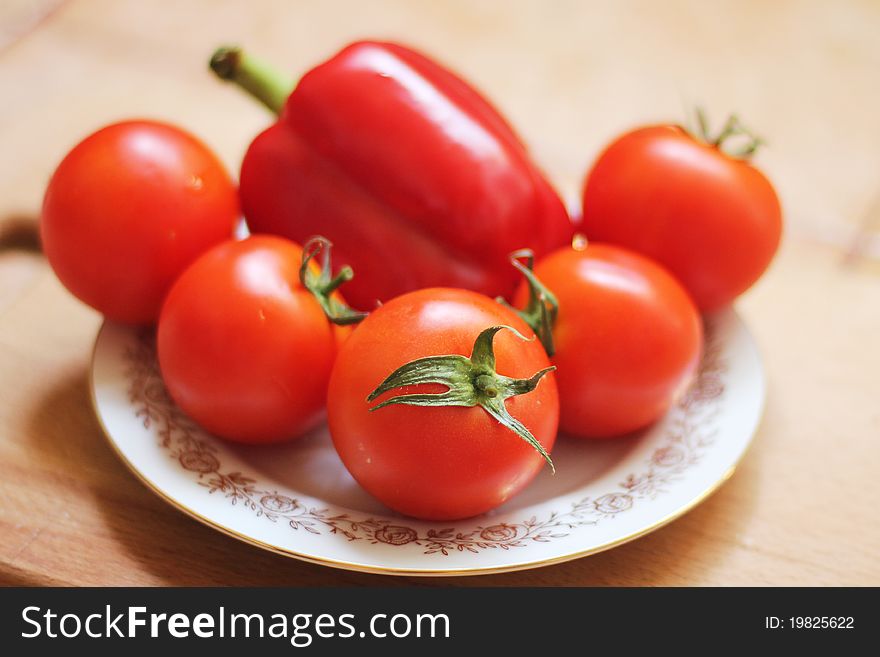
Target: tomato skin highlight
(713, 220)
(128, 209)
(430, 462)
(628, 338)
(244, 349)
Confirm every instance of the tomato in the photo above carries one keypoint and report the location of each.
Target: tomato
(627, 338)
(128, 209)
(438, 462)
(244, 348)
(712, 219)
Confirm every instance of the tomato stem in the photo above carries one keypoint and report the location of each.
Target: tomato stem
(732, 128)
(322, 286)
(257, 78)
(469, 382)
(541, 310)
(703, 125)
(345, 274)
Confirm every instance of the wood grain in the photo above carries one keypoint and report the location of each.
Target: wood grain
(802, 507)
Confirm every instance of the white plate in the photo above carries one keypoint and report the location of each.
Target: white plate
(297, 499)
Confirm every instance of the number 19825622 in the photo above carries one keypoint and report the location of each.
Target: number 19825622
(810, 622)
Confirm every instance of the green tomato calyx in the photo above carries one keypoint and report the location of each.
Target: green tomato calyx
(541, 310)
(732, 129)
(322, 286)
(469, 382)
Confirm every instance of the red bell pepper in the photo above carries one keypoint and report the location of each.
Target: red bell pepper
(413, 175)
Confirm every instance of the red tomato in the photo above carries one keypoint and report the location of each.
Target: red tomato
(244, 348)
(438, 463)
(628, 338)
(128, 209)
(713, 220)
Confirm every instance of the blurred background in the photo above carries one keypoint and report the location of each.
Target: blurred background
(570, 75)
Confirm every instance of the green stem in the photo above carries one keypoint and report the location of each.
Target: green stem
(703, 125)
(542, 308)
(344, 276)
(322, 286)
(257, 78)
(469, 382)
(732, 128)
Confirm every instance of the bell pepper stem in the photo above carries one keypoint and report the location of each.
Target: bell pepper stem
(254, 76)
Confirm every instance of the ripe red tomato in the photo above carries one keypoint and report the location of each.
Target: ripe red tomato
(244, 348)
(128, 209)
(627, 338)
(438, 463)
(713, 220)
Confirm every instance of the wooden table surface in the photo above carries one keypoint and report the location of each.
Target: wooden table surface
(803, 507)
